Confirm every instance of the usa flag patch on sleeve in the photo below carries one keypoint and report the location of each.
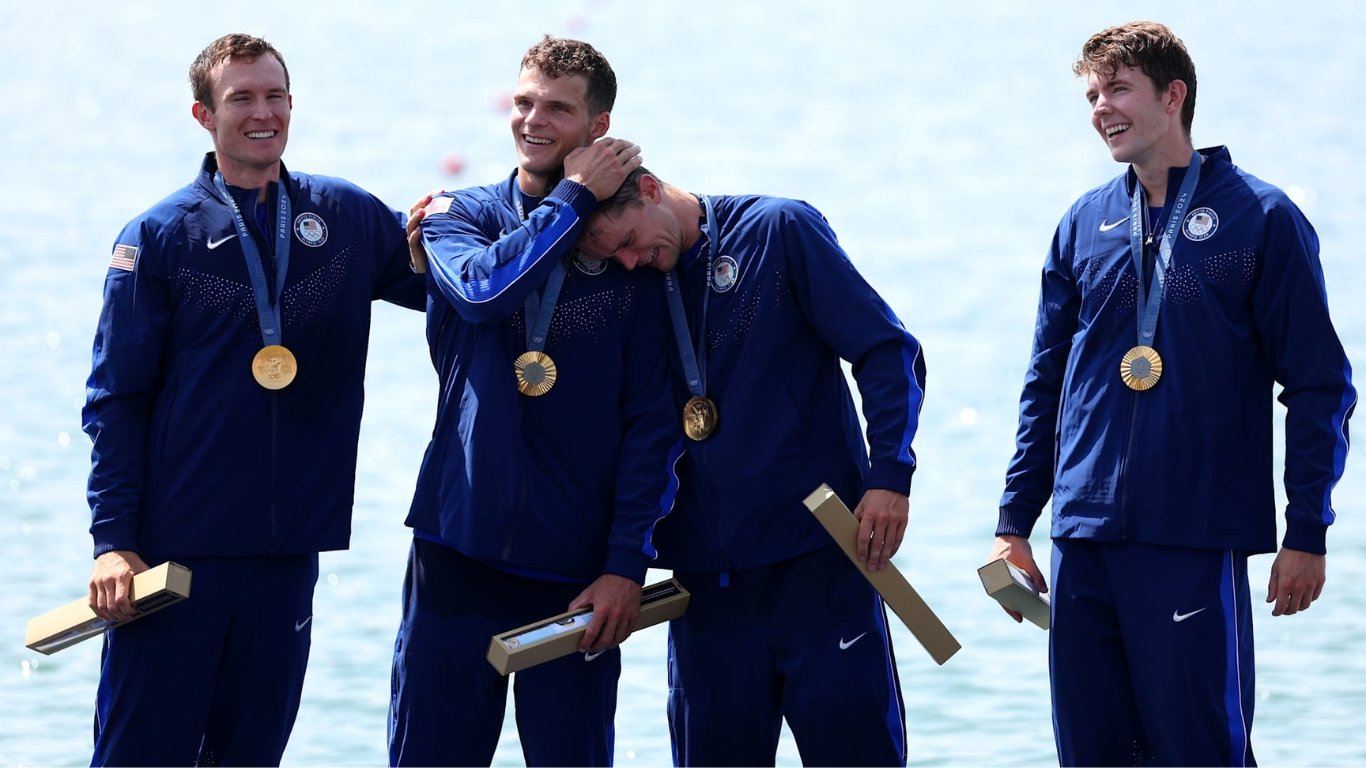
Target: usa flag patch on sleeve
(125, 257)
(439, 205)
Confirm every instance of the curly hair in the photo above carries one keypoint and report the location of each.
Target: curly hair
(558, 57)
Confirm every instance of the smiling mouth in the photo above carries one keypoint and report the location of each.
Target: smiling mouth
(262, 134)
(648, 260)
(537, 140)
(1116, 129)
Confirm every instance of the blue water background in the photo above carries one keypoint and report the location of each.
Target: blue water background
(943, 141)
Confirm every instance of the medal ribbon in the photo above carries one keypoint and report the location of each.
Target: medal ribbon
(267, 313)
(539, 307)
(694, 360)
(1150, 296)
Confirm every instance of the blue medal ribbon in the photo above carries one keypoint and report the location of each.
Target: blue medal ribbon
(267, 311)
(539, 308)
(1150, 296)
(694, 359)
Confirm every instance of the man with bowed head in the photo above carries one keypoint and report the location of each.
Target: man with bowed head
(225, 405)
(765, 304)
(1173, 299)
(550, 462)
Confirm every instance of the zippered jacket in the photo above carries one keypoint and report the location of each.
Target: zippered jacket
(1187, 463)
(784, 305)
(191, 456)
(567, 485)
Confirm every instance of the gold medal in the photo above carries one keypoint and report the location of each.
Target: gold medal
(535, 373)
(700, 418)
(274, 367)
(1140, 368)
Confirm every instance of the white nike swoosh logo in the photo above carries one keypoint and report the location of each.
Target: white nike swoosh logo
(589, 656)
(1106, 226)
(845, 646)
(1178, 616)
(215, 243)
(300, 625)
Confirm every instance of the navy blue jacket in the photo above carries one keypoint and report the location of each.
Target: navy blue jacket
(1187, 463)
(191, 456)
(568, 485)
(785, 306)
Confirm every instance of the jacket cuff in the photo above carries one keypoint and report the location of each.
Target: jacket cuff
(891, 476)
(577, 196)
(627, 564)
(1015, 522)
(1306, 537)
(112, 537)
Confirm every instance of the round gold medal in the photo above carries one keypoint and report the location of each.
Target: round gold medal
(700, 418)
(1140, 368)
(274, 367)
(535, 373)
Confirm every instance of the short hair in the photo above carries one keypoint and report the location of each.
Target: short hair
(1147, 46)
(626, 195)
(232, 46)
(558, 57)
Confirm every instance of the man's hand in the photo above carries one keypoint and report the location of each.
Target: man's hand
(111, 584)
(881, 519)
(602, 166)
(417, 255)
(1016, 550)
(615, 601)
(1297, 580)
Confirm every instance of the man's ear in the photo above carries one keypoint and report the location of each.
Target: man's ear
(651, 191)
(202, 115)
(1176, 96)
(601, 122)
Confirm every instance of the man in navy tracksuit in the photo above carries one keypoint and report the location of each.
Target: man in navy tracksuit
(1174, 298)
(551, 459)
(225, 405)
(765, 304)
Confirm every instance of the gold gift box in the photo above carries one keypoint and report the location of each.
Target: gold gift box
(559, 635)
(1012, 588)
(153, 589)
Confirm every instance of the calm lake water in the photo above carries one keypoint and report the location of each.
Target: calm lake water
(942, 142)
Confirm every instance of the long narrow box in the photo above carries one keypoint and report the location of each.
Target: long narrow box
(1012, 588)
(898, 593)
(559, 635)
(153, 589)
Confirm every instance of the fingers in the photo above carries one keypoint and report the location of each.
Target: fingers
(423, 201)
(1297, 580)
(603, 165)
(111, 596)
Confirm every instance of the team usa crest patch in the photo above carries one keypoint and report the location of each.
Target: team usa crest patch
(589, 265)
(1200, 224)
(310, 229)
(724, 273)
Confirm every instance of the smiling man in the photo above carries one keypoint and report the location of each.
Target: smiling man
(1174, 298)
(551, 458)
(765, 305)
(225, 405)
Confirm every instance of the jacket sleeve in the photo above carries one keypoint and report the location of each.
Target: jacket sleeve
(1290, 302)
(652, 441)
(123, 385)
(1029, 477)
(886, 360)
(486, 278)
